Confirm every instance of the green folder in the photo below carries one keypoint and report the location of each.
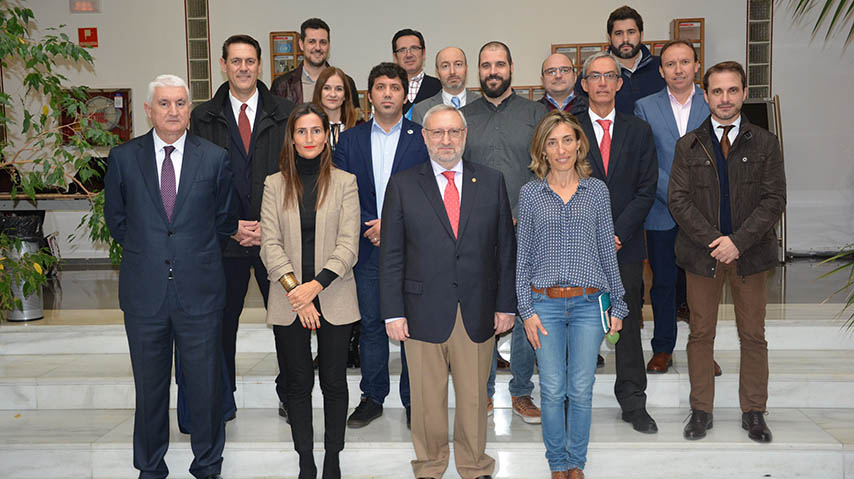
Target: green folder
(605, 311)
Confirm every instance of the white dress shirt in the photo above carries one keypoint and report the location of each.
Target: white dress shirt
(177, 157)
(446, 98)
(442, 182)
(597, 128)
(733, 133)
(251, 107)
(681, 111)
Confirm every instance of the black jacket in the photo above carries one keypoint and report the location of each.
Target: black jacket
(209, 121)
(757, 185)
(429, 87)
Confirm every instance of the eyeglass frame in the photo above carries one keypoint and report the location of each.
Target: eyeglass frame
(438, 133)
(553, 71)
(415, 49)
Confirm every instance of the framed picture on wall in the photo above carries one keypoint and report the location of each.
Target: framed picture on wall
(283, 44)
(282, 64)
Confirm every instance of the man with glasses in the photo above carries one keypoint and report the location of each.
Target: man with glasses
(444, 294)
(558, 78)
(452, 68)
(407, 45)
(500, 127)
(622, 154)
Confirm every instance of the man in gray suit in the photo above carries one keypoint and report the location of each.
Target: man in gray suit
(451, 68)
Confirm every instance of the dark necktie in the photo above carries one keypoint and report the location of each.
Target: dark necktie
(605, 144)
(452, 201)
(243, 126)
(167, 182)
(725, 144)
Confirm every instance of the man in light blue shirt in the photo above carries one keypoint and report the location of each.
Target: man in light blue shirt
(374, 151)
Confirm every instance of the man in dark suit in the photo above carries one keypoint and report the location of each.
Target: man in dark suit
(622, 154)
(671, 113)
(407, 45)
(297, 85)
(448, 272)
(245, 119)
(373, 151)
(169, 203)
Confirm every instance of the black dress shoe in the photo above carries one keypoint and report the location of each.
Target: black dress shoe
(641, 421)
(408, 417)
(214, 476)
(485, 476)
(365, 412)
(754, 423)
(698, 424)
(600, 362)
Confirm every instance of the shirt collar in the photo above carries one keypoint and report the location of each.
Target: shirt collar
(446, 97)
(375, 127)
(687, 102)
(251, 103)
(609, 116)
(583, 183)
(565, 102)
(417, 78)
(439, 169)
(736, 124)
(179, 143)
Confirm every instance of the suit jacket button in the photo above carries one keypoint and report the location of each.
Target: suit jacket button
(167, 261)
(454, 284)
(171, 233)
(708, 162)
(744, 160)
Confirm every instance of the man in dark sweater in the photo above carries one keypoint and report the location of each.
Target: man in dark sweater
(639, 68)
(249, 122)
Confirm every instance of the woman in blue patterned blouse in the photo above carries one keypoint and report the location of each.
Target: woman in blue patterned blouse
(566, 259)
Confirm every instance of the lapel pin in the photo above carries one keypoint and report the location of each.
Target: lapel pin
(408, 132)
(474, 180)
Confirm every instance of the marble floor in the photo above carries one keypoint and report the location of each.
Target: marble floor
(66, 399)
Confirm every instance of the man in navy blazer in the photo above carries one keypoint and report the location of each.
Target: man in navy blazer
(622, 154)
(675, 110)
(448, 263)
(374, 151)
(168, 203)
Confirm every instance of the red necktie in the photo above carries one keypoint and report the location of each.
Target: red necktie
(243, 126)
(605, 144)
(452, 201)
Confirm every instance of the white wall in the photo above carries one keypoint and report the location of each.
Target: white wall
(813, 80)
(141, 39)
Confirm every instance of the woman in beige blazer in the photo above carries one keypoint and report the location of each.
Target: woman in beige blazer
(309, 244)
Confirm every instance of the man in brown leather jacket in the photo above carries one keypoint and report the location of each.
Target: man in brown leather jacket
(727, 192)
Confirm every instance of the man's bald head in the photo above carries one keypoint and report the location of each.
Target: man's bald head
(452, 68)
(558, 75)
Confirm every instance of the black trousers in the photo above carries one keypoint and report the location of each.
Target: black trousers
(630, 386)
(237, 271)
(293, 350)
(150, 344)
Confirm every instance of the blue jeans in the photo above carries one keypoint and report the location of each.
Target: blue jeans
(567, 362)
(373, 340)
(521, 363)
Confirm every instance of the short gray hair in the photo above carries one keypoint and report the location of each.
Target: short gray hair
(443, 107)
(596, 56)
(165, 80)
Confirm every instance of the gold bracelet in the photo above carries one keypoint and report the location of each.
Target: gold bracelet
(289, 282)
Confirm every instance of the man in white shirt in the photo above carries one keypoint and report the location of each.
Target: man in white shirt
(452, 68)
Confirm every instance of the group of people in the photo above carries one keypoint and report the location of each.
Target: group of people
(445, 220)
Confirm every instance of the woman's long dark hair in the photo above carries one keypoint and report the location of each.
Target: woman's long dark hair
(287, 160)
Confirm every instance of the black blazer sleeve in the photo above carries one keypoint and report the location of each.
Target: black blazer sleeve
(506, 299)
(392, 239)
(114, 203)
(630, 220)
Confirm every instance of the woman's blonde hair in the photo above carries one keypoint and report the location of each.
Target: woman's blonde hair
(539, 163)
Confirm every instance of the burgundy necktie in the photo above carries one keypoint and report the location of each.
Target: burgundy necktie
(725, 144)
(167, 182)
(452, 201)
(243, 126)
(605, 144)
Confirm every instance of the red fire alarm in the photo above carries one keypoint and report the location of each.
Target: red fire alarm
(87, 37)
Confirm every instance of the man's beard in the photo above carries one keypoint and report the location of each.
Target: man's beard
(497, 91)
(625, 56)
(312, 63)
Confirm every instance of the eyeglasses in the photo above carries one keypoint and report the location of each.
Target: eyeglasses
(415, 49)
(438, 134)
(562, 70)
(596, 76)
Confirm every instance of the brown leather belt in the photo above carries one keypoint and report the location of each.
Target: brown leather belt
(555, 292)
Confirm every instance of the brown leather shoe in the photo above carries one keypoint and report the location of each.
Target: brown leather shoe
(502, 363)
(575, 473)
(718, 371)
(659, 363)
(523, 406)
(560, 474)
